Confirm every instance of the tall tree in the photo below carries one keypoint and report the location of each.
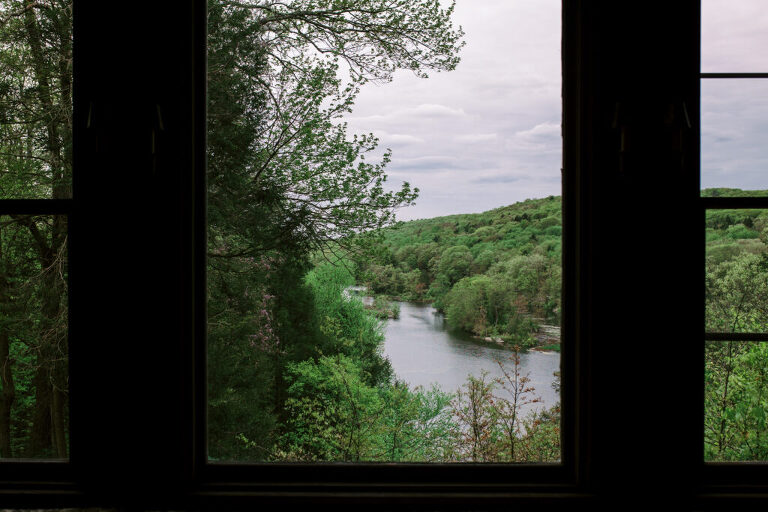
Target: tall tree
(286, 178)
(36, 161)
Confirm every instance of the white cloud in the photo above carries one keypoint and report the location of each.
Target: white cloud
(540, 130)
(435, 110)
(477, 137)
(423, 111)
(396, 139)
(426, 163)
(486, 134)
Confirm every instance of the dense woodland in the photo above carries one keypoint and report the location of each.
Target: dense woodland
(297, 214)
(736, 397)
(495, 274)
(35, 162)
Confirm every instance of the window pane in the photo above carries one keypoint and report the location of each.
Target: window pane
(35, 100)
(737, 271)
(33, 337)
(302, 198)
(736, 401)
(733, 36)
(734, 132)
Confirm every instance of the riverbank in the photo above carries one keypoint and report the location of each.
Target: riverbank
(423, 352)
(546, 337)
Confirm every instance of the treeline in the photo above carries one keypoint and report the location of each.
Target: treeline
(496, 273)
(736, 373)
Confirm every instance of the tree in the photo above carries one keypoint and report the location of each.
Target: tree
(736, 378)
(285, 176)
(36, 162)
(510, 409)
(286, 180)
(454, 263)
(301, 161)
(333, 415)
(476, 416)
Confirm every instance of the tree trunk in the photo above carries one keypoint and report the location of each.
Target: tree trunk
(8, 393)
(7, 396)
(50, 379)
(40, 439)
(58, 421)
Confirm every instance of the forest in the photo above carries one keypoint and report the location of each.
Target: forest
(495, 274)
(299, 210)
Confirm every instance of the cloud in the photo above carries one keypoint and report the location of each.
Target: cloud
(476, 137)
(425, 163)
(424, 110)
(396, 139)
(435, 110)
(540, 130)
(496, 179)
(486, 134)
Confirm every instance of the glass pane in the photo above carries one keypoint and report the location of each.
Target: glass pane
(733, 36)
(35, 100)
(736, 401)
(335, 335)
(737, 271)
(734, 123)
(34, 415)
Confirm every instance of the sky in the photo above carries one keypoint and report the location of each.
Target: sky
(488, 134)
(734, 113)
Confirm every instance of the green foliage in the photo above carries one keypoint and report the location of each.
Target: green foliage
(333, 415)
(736, 401)
(740, 231)
(494, 273)
(349, 329)
(35, 162)
(737, 294)
(736, 374)
(33, 337)
(454, 263)
(286, 180)
(490, 426)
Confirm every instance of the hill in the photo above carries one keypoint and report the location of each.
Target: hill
(498, 273)
(495, 273)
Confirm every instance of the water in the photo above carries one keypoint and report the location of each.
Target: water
(422, 351)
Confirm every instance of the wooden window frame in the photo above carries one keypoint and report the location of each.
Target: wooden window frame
(632, 419)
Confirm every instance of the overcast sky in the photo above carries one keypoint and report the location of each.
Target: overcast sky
(487, 134)
(734, 113)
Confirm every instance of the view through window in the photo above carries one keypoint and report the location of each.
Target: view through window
(336, 333)
(735, 199)
(35, 164)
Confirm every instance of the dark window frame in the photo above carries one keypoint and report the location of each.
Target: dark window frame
(138, 366)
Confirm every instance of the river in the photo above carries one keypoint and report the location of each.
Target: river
(423, 351)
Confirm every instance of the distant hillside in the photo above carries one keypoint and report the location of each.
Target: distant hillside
(498, 273)
(731, 233)
(495, 273)
(732, 192)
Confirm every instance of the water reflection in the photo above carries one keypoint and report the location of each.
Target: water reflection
(423, 351)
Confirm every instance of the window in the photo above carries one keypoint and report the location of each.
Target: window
(633, 228)
(294, 369)
(35, 207)
(732, 89)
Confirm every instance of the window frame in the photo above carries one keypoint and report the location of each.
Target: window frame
(120, 377)
(538, 481)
